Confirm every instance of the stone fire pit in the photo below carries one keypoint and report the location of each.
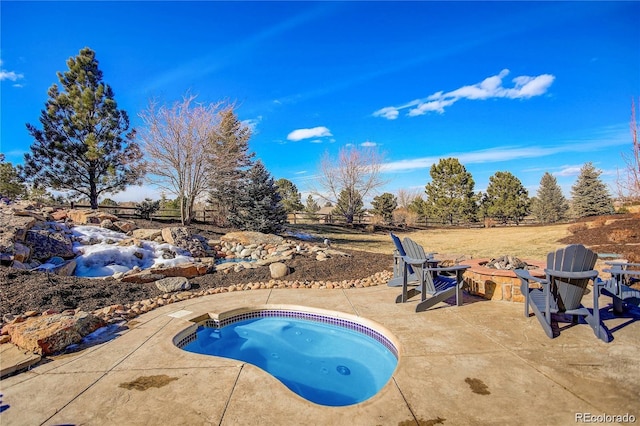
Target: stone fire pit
(498, 284)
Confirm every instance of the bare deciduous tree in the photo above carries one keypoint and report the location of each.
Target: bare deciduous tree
(176, 141)
(629, 182)
(406, 196)
(355, 170)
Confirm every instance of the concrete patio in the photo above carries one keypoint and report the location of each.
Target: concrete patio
(481, 363)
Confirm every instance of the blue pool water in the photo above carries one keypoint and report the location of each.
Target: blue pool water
(323, 363)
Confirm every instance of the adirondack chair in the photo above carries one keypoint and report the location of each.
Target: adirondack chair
(619, 286)
(434, 287)
(398, 262)
(568, 272)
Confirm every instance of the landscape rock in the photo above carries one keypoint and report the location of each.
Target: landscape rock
(66, 268)
(171, 284)
(187, 270)
(278, 270)
(48, 334)
(45, 244)
(108, 224)
(126, 226)
(142, 277)
(181, 236)
(21, 253)
(146, 234)
(251, 237)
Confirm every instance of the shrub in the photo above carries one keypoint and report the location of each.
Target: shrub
(577, 227)
(147, 208)
(489, 222)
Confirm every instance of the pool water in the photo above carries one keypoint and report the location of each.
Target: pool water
(323, 363)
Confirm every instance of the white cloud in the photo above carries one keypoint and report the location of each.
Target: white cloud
(302, 172)
(9, 75)
(368, 144)
(568, 171)
(499, 154)
(252, 123)
(390, 113)
(524, 87)
(315, 132)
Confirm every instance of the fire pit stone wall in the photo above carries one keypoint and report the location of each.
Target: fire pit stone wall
(497, 284)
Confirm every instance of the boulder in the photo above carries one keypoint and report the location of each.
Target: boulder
(59, 215)
(64, 268)
(108, 224)
(252, 237)
(85, 216)
(187, 270)
(278, 270)
(21, 252)
(48, 334)
(146, 234)
(171, 284)
(181, 236)
(45, 244)
(125, 226)
(141, 277)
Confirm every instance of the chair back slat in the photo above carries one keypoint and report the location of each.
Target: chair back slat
(413, 249)
(573, 258)
(400, 248)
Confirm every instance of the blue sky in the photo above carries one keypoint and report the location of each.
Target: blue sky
(524, 87)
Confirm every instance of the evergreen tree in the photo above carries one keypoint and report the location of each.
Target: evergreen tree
(384, 205)
(290, 195)
(349, 204)
(258, 206)
(506, 198)
(549, 205)
(229, 159)
(11, 185)
(311, 207)
(450, 195)
(84, 146)
(590, 196)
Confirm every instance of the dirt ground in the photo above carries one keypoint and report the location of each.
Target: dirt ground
(21, 291)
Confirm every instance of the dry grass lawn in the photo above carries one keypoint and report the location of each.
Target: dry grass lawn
(531, 242)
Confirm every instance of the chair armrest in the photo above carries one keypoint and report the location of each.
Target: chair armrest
(617, 271)
(568, 274)
(621, 264)
(524, 274)
(417, 262)
(448, 268)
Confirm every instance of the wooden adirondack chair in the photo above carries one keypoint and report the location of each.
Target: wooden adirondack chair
(619, 286)
(398, 262)
(568, 271)
(433, 286)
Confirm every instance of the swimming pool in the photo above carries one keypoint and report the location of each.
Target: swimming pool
(324, 358)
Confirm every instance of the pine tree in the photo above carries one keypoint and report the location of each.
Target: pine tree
(290, 195)
(450, 195)
(506, 198)
(11, 185)
(84, 146)
(311, 207)
(550, 205)
(349, 205)
(258, 206)
(229, 159)
(590, 196)
(384, 205)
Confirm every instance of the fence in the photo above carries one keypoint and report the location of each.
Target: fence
(211, 216)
